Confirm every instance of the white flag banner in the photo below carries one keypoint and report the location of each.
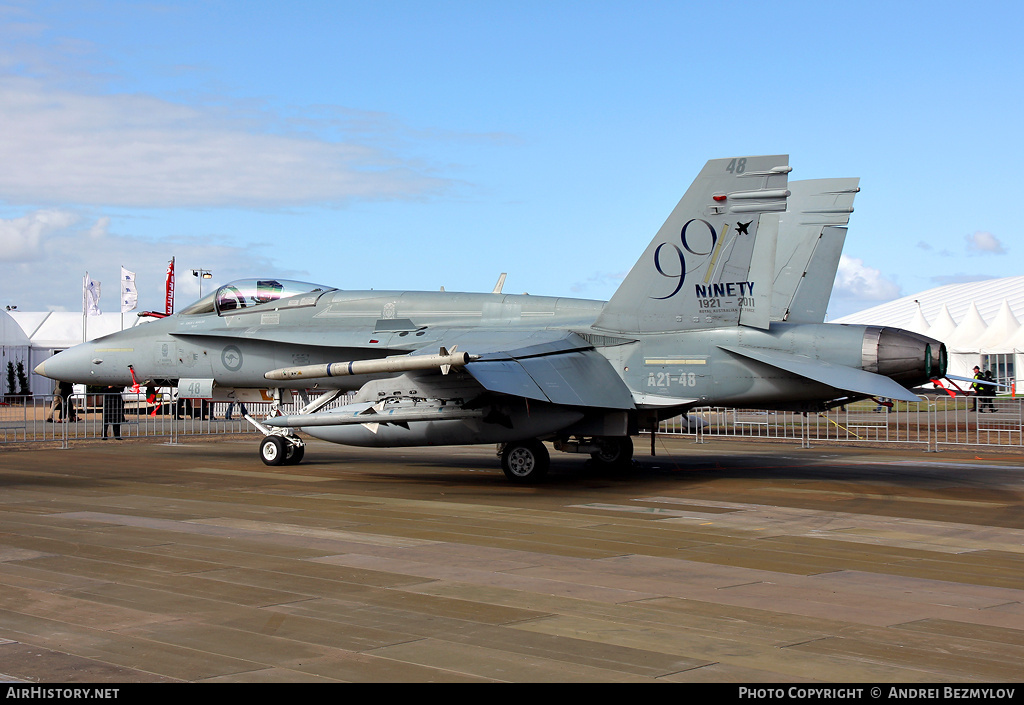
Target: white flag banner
(129, 294)
(91, 296)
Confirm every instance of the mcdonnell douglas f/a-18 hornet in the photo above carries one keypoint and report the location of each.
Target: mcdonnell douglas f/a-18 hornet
(723, 308)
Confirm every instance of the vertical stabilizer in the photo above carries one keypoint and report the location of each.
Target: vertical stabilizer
(695, 273)
(756, 308)
(811, 238)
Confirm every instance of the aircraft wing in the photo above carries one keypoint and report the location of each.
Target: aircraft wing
(553, 366)
(840, 377)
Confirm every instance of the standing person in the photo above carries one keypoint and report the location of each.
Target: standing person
(55, 404)
(67, 390)
(977, 388)
(113, 412)
(988, 393)
(61, 408)
(231, 406)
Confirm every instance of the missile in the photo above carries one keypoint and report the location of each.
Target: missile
(400, 363)
(365, 414)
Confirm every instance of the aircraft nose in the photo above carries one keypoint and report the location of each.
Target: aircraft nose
(72, 365)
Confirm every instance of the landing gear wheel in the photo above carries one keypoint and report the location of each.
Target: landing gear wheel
(293, 454)
(273, 450)
(525, 462)
(615, 452)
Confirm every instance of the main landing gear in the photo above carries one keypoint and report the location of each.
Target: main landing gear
(527, 462)
(613, 452)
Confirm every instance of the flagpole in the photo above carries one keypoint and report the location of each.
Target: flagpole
(85, 318)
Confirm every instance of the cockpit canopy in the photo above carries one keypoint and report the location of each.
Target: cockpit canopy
(247, 293)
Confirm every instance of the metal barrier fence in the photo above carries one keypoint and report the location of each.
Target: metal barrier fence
(48, 418)
(932, 422)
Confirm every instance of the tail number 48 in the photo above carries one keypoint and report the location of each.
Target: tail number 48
(737, 166)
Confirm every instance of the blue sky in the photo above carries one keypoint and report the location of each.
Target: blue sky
(414, 145)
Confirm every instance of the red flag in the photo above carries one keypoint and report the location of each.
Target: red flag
(169, 289)
(946, 389)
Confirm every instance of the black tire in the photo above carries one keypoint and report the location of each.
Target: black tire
(525, 462)
(616, 452)
(293, 454)
(273, 450)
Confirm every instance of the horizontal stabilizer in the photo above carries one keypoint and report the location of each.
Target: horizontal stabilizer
(840, 377)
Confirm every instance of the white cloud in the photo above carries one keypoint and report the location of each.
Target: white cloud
(856, 280)
(61, 146)
(46, 253)
(982, 241)
(21, 239)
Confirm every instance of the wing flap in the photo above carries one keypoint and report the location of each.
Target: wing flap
(567, 371)
(580, 378)
(506, 377)
(840, 377)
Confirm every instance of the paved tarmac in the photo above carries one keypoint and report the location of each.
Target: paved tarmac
(722, 561)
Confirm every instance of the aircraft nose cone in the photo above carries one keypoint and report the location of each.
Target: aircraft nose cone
(72, 365)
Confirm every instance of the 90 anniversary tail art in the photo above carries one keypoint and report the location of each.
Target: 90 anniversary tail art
(709, 315)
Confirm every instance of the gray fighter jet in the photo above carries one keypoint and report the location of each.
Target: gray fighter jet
(691, 324)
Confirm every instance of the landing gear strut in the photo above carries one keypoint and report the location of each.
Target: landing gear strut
(280, 446)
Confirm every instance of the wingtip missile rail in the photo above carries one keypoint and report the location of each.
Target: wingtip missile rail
(399, 363)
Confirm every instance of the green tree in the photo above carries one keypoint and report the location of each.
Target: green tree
(22, 379)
